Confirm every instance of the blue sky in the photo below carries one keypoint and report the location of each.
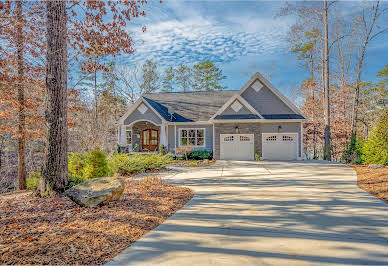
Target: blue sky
(241, 37)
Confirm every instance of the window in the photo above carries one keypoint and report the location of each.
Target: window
(192, 137)
(228, 138)
(288, 138)
(128, 134)
(271, 138)
(244, 138)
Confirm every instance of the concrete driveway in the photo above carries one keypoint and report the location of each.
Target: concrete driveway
(248, 213)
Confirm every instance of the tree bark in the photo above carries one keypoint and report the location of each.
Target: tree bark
(359, 69)
(54, 172)
(21, 104)
(327, 148)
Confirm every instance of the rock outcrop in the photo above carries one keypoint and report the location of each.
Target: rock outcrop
(97, 191)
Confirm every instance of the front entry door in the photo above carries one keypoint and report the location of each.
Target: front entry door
(150, 140)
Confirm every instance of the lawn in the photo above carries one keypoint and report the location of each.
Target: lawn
(374, 181)
(37, 230)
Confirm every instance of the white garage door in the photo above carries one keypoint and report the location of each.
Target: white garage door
(278, 146)
(237, 147)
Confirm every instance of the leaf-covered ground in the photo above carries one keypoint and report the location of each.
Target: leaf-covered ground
(37, 230)
(374, 181)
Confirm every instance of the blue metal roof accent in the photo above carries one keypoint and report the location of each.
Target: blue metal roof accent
(163, 111)
(236, 117)
(283, 116)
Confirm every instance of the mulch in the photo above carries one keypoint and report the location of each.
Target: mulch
(37, 230)
(195, 163)
(374, 181)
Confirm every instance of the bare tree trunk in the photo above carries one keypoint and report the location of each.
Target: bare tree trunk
(327, 150)
(95, 97)
(21, 104)
(359, 69)
(54, 172)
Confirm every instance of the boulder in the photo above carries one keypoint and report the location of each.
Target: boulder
(97, 191)
(375, 166)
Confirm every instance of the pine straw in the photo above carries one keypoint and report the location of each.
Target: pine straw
(374, 181)
(37, 230)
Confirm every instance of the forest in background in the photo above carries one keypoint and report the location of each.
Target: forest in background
(98, 89)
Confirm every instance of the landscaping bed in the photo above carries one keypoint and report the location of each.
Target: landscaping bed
(37, 230)
(374, 181)
(192, 163)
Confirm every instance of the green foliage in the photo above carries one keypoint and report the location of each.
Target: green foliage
(150, 76)
(33, 180)
(207, 77)
(200, 155)
(82, 167)
(184, 77)
(168, 79)
(76, 164)
(257, 155)
(305, 47)
(126, 164)
(353, 151)
(162, 149)
(96, 164)
(375, 149)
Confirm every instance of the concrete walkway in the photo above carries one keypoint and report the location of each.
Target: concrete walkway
(249, 213)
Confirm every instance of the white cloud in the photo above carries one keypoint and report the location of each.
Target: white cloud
(192, 37)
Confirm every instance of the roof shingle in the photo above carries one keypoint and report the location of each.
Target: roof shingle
(188, 106)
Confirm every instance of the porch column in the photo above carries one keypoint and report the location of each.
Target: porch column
(163, 135)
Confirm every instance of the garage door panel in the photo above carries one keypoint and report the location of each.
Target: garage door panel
(279, 146)
(237, 147)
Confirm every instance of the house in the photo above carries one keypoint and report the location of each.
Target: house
(231, 123)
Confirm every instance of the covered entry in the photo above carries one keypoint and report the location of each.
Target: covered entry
(280, 146)
(237, 147)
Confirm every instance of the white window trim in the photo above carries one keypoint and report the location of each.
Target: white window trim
(193, 128)
(128, 129)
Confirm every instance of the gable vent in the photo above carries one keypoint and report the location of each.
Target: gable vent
(142, 109)
(236, 106)
(257, 86)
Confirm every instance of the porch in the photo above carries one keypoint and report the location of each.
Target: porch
(142, 136)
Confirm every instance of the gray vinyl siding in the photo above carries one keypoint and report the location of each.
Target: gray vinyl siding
(230, 111)
(266, 102)
(256, 129)
(148, 115)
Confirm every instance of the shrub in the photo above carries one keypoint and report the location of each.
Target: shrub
(353, 151)
(33, 180)
(200, 155)
(184, 150)
(257, 155)
(375, 148)
(76, 164)
(125, 164)
(162, 149)
(96, 164)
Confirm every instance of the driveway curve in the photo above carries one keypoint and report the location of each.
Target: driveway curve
(259, 213)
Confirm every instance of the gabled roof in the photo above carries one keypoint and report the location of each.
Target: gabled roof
(188, 106)
(242, 101)
(260, 77)
(208, 105)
